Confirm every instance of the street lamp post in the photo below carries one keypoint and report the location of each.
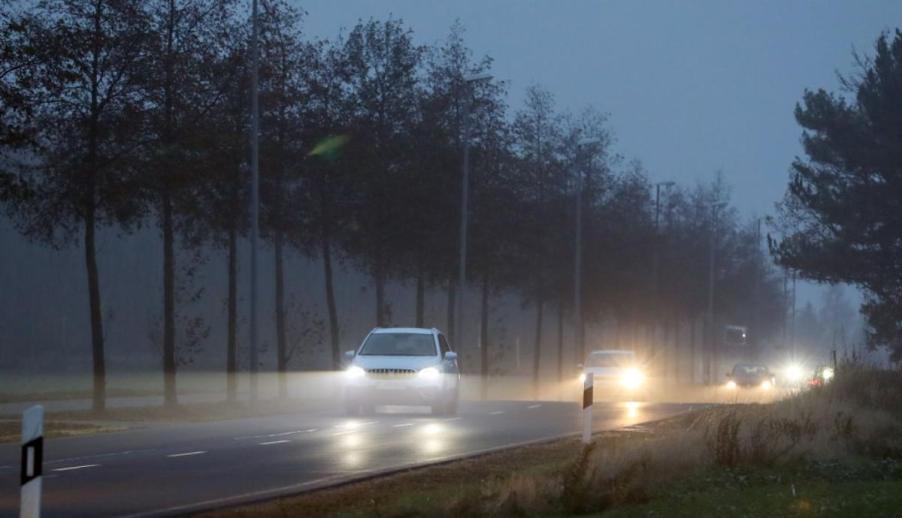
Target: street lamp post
(578, 253)
(710, 357)
(655, 252)
(464, 203)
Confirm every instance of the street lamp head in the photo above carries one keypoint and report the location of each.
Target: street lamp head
(472, 78)
(668, 183)
(587, 141)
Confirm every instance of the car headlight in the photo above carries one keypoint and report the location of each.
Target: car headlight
(828, 374)
(794, 373)
(766, 385)
(632, 378)
(429, 373)
(731, 384)
(582, 377)
(355, 372)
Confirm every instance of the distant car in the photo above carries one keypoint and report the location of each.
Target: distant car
(822, 376)
(750, 375)
(616, 374)
(402, 366)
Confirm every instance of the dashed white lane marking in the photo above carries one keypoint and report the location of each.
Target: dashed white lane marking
(453, 419)
(533, 406)
(72, 468)
(268, 435)
(186, 454)
(354, 425)
(401, 425)
(496, 412)
(267, 443)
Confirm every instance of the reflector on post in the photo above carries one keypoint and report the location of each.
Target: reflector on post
(32, 461)
(588, 399)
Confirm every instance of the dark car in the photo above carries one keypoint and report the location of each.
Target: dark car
(749, 375)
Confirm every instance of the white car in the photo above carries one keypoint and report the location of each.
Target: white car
(616, 374)
(402, 366)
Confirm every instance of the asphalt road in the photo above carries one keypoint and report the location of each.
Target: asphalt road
(177, 468)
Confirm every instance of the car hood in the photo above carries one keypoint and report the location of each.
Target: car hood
(395, 362)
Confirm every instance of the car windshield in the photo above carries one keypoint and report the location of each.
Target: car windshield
(749, 370)
(399, 344)
(609, 360)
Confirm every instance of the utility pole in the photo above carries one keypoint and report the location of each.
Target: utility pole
(711, 356)
(255, 200)
(578, 252)
(792, 335)
(656, 306)
(464, 202)
(756, 293)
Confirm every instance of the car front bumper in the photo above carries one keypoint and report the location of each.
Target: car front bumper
(402, 390)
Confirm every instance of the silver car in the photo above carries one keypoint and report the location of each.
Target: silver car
(402, 366)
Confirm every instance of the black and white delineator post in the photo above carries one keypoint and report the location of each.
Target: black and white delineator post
(32, 460)
(588, 398)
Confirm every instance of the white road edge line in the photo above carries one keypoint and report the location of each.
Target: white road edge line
(401, 425)
(533, 406)
(71, 468)
(267, 443)
(186, 454)
(496, 412)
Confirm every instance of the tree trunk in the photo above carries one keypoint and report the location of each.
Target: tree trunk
(484, 339)
(232, 345)
(95, 307)
(169, 363)
(379, 275)
(537, 353)
(452, 300)
(421, 294)
(560, 342)
(330, 300)
(692, 345)
(674, 328)
(170, 396)
(281, 342)
(99, 361)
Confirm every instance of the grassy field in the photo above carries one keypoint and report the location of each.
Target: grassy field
(11, 429)
(834, 451)
(83, 422)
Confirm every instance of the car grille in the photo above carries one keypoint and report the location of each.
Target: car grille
(390, 373)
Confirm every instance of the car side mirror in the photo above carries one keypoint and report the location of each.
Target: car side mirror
(450, 355)
(579, 366)
(349, 355)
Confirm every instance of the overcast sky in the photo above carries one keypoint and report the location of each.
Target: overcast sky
(691, 87)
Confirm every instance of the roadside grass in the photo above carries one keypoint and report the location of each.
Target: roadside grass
(86, 422)
(859, 487)
(835, 450)
(194, 412)
(11, 430)
(70, 394)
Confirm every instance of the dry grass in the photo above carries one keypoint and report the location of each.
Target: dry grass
(857, 416)
(191, 412)
(11, 430)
